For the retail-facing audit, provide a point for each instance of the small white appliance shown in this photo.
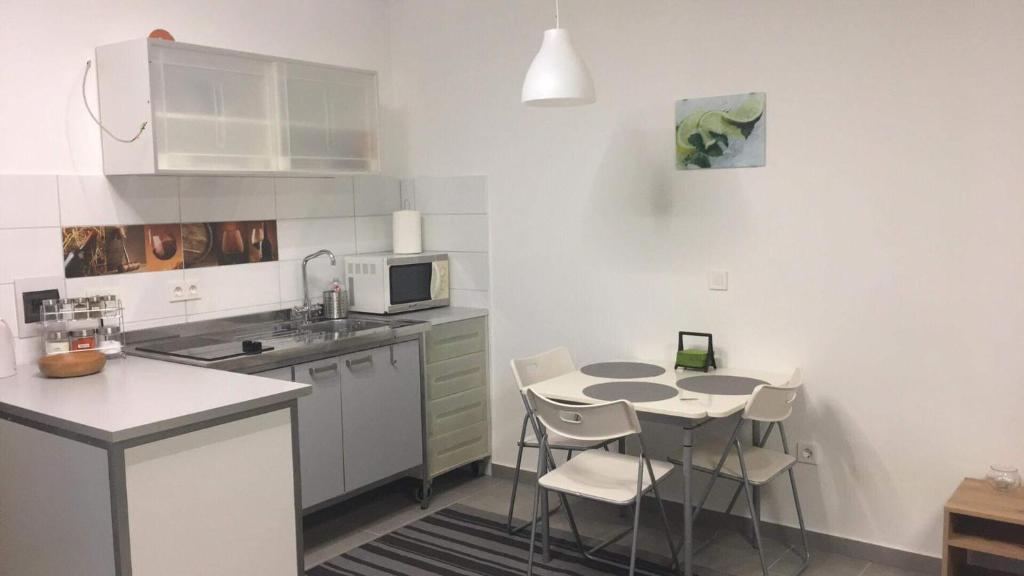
(387, 283)
(7, 362)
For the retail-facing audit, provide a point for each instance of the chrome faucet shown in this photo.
(306, 309)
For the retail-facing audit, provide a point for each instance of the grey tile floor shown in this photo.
(350, 524)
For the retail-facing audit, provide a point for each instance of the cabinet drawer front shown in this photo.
(458, 448)
(455, 339)
(457, 411)
(456, 375)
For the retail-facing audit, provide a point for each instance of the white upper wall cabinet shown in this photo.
(224, 112)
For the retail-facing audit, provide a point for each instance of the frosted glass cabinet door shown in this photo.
(213, 111)
(329, 119)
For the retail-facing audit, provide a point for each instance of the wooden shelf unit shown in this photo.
(978, 518)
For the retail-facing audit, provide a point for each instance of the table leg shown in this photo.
(756, 429)
(688, 501)
(545, 513)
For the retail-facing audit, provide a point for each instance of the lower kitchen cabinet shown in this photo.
(380, 406)
(458, 417)
(362, 423)
(320, 432)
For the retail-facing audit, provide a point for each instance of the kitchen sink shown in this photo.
(251, 343)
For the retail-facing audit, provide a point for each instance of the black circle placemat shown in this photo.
(724, 385)
(622, 370)
(630, 390)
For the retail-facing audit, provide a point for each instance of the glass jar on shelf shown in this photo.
(110, 305)
(108, 340)
(56, 342)
(1003, 478)
(95, 307)
(83, 339)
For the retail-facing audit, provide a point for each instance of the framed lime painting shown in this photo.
(720, 132)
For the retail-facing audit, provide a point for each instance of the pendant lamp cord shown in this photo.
(88, 65)
(556, 14)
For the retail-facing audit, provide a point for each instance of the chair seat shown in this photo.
(556, 440)
(606, 476)
(763, 464)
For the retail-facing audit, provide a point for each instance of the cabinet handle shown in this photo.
(320, 370)
(394, 361)
(368, 359)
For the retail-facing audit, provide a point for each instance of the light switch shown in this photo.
(718, 280)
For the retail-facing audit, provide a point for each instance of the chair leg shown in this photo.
(572, 523)
(664, 519)
(750, 502)
(800, 519)
(636, 531)
(732, 502)
(533, 529)
(515, 478)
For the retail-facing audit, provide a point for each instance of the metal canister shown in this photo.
(335, 305)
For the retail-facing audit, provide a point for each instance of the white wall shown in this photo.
(880, 249)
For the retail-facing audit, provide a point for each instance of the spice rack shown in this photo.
(79, 324)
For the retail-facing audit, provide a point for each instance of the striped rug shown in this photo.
(462, 541)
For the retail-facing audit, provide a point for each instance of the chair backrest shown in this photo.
(774, 403)
(543, 366)
(592, 422)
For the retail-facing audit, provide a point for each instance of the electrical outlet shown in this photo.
(718, 280)
(808, 453)
(177, 292)
(193, 292)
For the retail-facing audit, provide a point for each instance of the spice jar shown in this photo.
(67, 309)
(83, 339)
(108, 340)
(95, 307)
(81, 308)
(109, 305)
(56, 343)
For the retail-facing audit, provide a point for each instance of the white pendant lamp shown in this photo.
(558, 76)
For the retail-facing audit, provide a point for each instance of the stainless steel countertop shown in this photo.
(293, 344)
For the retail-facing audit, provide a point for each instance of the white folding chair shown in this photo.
(604, 476)
(756, 465)
(527, 372)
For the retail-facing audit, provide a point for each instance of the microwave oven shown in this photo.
(391, 283)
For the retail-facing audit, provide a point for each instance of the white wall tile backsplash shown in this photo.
(232, 287)
(30, 252)
(320, 273)
(221, 199)
(373, 234)
(464, 195)
(455, 220)
(347, 214)
(469, 270)
(28, 201)
(90, 200)
(297, 238)
(377, 195)
(314, 197)
(455, 232)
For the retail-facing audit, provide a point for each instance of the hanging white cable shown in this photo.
(88, 65)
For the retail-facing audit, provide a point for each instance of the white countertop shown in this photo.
(443, 315)
(133, 397)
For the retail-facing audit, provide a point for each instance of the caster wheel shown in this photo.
(423, 496)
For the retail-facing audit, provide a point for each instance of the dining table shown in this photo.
(724, 392)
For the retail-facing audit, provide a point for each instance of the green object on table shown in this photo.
(692, 358)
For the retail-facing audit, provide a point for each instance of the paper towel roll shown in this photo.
(406, 233)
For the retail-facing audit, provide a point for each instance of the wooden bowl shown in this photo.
(72, 364)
